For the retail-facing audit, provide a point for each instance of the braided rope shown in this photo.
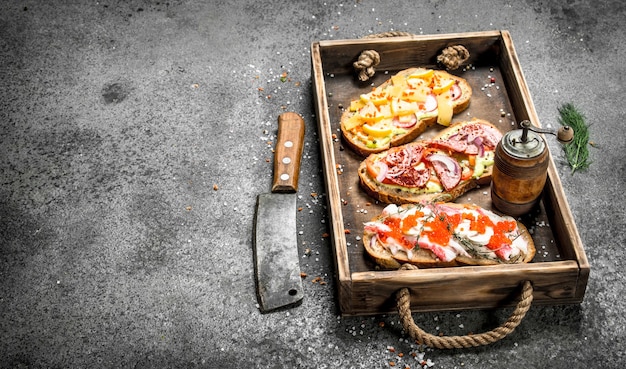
(389, 34)
(403, 300)
(370, 58)
(366, 63)
(451, 57)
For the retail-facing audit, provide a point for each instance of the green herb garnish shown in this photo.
(576, 151)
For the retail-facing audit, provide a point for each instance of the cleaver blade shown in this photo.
(276, 260)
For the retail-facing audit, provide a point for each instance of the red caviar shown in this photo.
(499, 237)
(441, 228)
(411, 221)
(394, 224)
(481, 223)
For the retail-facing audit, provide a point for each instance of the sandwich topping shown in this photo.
(393, 108)
(437, 165)
(448, 232)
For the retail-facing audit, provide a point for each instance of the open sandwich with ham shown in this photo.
(445, 234)
(458, 159)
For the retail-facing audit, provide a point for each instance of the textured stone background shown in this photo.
(134, 140)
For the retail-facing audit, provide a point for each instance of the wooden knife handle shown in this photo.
(288, 152)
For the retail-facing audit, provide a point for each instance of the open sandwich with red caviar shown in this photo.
(402, 108)
(445, 234)
(458, 159)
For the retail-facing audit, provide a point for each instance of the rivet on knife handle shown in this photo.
(288, 152)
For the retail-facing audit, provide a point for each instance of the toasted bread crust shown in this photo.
(423, 258)
(420, 258)
(360, 148)
(414, 132)
(397, 195)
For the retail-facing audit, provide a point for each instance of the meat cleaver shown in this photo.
(277, 268)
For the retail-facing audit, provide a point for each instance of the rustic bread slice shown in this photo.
(382, 118)
(351, 139)
(425, 258)
(398, 194)
(385, 259)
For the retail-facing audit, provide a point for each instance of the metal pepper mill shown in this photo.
(521, 167)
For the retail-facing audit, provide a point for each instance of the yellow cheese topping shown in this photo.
(386, 111)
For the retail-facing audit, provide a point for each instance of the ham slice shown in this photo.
(442, 252)
(448, 170)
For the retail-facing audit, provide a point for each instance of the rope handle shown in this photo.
(403, 300)
(451, 57)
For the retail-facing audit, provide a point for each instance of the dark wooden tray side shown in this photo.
(559, 272)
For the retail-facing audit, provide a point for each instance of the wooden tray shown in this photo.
(559, 271)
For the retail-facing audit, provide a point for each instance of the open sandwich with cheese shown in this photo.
(402, 108)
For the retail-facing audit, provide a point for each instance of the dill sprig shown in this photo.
(576, 151)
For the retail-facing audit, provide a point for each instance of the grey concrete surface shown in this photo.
(134, 141)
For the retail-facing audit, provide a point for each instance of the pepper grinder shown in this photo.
(521, 167)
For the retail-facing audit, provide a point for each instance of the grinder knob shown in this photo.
(565, 134)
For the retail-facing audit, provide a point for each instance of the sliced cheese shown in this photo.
(421, 73)
(353, 122)
(402, 107)
(371, 113)
(444, 106)
(443, 86)
(383, 128)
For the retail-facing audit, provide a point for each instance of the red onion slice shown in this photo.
(451, 165)
(382, 170)
(448, 170)
(478, 141)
